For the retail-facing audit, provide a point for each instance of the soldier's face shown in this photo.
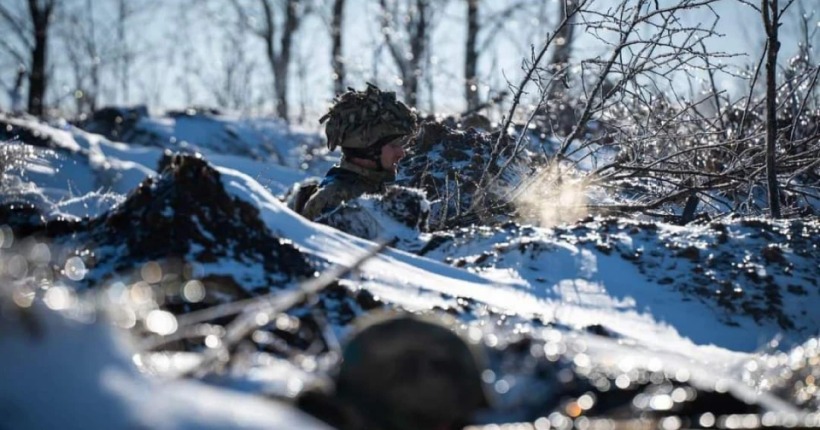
(392, 153)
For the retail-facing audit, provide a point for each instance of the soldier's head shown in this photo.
(370, 125)
(410, 372)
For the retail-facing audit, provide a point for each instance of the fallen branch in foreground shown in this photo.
(258, 310)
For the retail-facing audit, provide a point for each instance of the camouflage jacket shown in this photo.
(342, 183)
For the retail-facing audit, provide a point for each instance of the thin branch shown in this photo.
(19, 28)
(269, 305)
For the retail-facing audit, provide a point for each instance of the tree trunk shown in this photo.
(93, 55)
(280, 61)
(416, 30)
(562, 52)
(336, 28)
(275, 59)
(771, 20)
(428, 77)
(124, 56)
(270, 43)
(40, 17)
(282, 65)
(471, 56)
(417, 47)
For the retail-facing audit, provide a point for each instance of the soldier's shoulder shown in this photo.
(326, 198)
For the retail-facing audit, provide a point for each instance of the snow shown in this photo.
(558, 275)
(572, 286)
(263, 139)
(702, 372)
(89, 174)
(581, 290)
(273, 177)
(62, 373)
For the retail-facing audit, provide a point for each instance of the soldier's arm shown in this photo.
(324, 200)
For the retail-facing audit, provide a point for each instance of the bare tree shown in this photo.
(808, 34)
(40, 13)
(771, 13)
(29, 44)
(97, 51)
(303, 65)
(190, 61)
(280, 20)
(79, 33)
(280, 60)
(232, 88)
(562, 51)
(533, 71)
(407, 43)
(471, 55)
(481, 33)
(124, 12)
(625, 101)
(740, 158)
(337, 60)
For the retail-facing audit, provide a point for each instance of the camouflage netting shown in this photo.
(359, 119)
(448, 164)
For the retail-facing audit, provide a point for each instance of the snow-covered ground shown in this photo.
(88, 173)
(636, 281)
(62, 373)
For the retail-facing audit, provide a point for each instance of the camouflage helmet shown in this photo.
(359, 119)
(410, 372)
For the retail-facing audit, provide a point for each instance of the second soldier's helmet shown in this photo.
(359, 119)
(411, 372)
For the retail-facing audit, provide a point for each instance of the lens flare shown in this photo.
(193, 291)
(75, 268)
(161, 322)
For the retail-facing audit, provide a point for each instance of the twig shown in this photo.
(267, 306)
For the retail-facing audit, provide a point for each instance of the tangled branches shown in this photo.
(619, 120)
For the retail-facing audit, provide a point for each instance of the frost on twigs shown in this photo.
(14, 156)
(15, 159)
(448, 165)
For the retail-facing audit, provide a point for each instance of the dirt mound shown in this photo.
(182, 224)
(747, 268)
(115, 123)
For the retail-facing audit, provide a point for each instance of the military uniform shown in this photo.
(360, 122)
(344, 182)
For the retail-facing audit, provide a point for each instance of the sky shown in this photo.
(186, 48)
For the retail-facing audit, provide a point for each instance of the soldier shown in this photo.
(371, 127)
(403, 373)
